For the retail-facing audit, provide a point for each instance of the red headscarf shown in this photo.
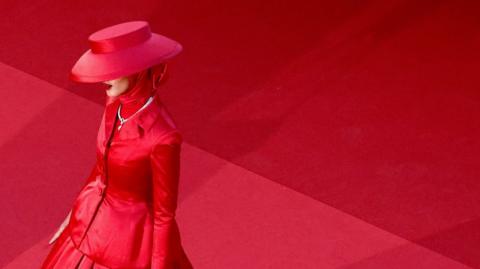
(141, 86)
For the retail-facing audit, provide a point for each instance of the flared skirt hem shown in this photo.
(64, 254)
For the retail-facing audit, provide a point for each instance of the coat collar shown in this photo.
(136, 126)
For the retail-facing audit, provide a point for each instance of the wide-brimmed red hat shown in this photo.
(121, 50)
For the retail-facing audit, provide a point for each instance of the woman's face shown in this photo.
(118, 86)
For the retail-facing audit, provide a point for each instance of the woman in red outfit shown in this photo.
(124, 215)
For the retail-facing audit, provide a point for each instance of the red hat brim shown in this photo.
(92, 67)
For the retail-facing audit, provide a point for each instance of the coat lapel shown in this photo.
(136, 126)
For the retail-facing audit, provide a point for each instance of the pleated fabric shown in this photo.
(65, 255)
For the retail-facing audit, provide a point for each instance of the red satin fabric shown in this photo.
(103, 42)
(64, 254)
(124, 216)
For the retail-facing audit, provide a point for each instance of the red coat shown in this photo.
(124, 216)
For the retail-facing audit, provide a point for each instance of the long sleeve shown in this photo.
(165, 163)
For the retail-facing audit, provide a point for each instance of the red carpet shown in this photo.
(368, 109)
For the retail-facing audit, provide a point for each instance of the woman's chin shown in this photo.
(114, 91)
(110, 92)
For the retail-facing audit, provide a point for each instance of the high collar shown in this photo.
(137, 125)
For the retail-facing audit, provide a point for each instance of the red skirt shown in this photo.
(64, 255)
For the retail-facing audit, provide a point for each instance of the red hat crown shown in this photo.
(119, 36)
